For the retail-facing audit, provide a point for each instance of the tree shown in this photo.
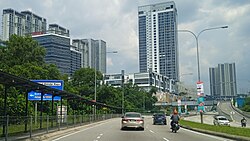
(83, 81)
(23, 57)
(246, 106)
(110, 95)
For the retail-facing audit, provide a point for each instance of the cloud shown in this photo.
(115, 21)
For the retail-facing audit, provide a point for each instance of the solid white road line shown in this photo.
(211, 136)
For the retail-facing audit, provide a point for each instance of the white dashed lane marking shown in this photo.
(165, 139)
(151, 131)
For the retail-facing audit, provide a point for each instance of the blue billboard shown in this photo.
(56, 84)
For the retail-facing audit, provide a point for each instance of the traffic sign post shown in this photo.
(56, 84)
(200, 100)
(179, 106)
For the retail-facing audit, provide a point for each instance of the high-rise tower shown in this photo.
(158, 39)
(223, 80)
(21, 24)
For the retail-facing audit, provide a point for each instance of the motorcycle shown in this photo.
(175, 127)
(243, 124)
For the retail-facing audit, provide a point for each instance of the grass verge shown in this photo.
(238, 131)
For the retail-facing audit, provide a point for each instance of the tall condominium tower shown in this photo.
(84, 48)
(158, 39)
(223, 80)
(94, 53)
(20, 24)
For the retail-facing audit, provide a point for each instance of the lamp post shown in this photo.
(196, 36)
(199, 83)
(95, 77)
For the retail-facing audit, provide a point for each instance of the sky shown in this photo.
(116, 22)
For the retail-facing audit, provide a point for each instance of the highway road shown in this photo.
(110, 131)
(236, 117)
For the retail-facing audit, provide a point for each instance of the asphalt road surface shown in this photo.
(236, 117)
(110, 131)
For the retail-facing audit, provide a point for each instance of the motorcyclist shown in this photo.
(243, 122)
(175, 118)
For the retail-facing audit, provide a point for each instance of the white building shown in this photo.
(145, 80)
(158, 39)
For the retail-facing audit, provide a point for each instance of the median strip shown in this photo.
(235, 133)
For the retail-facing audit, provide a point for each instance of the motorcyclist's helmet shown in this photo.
(175, 112)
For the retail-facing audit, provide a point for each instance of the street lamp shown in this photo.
(197, 43)
(95, 77)
(196, 36)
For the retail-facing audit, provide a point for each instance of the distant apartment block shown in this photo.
(21, 23)
(67, 56)
(158, 49)
(223, 80)
(55, 28)
(94, 53)
(83, 47)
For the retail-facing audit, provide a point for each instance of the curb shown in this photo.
(224, 135)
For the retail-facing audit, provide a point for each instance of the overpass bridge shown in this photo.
(188, 103)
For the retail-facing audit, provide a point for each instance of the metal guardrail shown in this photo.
(22, 127)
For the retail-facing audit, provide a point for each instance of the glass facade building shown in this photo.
(158, 49)
(75, 60)
(223, 80)
(57, 50)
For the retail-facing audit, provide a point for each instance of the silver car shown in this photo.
(221, 120)
(132, 120)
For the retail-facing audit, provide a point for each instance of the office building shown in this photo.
(75, 60)
(223, 80)
(57, 50)
(158, 49)
(23, 23)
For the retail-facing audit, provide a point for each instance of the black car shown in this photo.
(159, 119)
